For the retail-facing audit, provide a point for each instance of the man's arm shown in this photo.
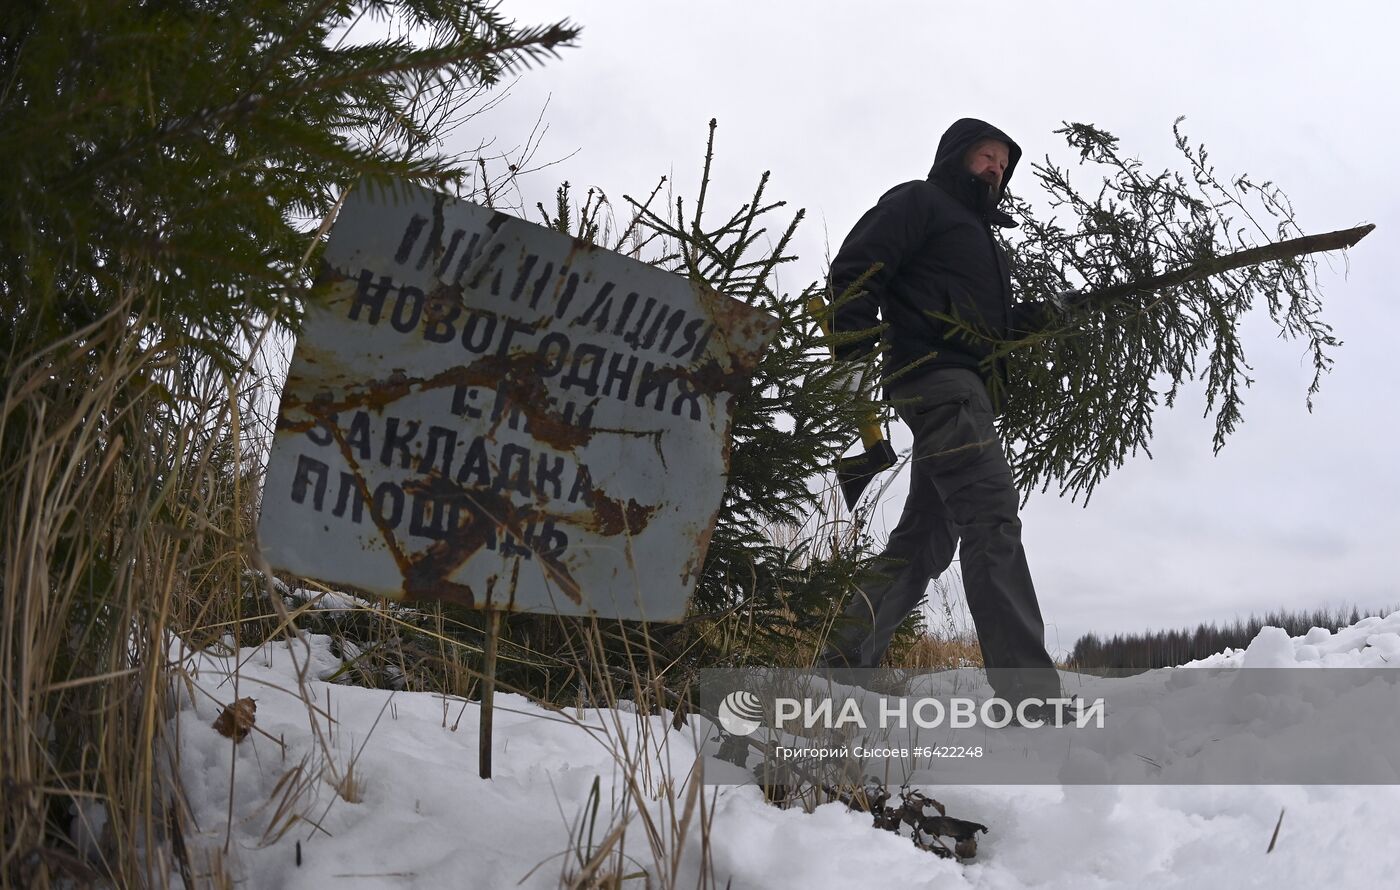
(884, 236)
(1033, 316)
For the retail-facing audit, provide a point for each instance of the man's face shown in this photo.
(987, 161)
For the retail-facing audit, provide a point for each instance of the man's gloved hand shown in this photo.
(1067, 300)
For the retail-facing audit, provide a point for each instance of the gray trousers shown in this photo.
(960, 489)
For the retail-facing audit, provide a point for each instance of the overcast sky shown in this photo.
(842, 100)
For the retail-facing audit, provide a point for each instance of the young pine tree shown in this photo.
(164, 164)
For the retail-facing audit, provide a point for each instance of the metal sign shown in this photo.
(483, 410)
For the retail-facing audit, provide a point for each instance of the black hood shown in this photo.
(961, 136)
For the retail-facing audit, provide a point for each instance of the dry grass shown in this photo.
(946, 638)
(934, 653)
(124, 504)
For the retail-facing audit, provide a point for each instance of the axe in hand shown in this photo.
(854, 473)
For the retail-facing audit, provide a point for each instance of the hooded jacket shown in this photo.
(938, 256)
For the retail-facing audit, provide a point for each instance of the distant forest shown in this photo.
(1168, 648)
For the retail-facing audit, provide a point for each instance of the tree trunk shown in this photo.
(1251, 256)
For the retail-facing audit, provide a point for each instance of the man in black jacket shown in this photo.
(936, 255)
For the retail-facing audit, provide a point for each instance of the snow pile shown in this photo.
(380, 789)
(1369, 643)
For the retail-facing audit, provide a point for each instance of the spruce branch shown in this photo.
(1167, 265)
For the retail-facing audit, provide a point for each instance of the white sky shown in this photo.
(841, 101)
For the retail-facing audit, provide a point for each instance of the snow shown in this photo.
(414, 812)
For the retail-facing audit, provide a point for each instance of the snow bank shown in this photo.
(371, 788)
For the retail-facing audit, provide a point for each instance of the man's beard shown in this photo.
(990, 193)
(993, 191)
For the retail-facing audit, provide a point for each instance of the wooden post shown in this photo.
(488, 690)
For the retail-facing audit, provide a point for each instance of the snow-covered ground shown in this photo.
(344, 786)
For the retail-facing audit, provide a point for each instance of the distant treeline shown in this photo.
(1167, 648)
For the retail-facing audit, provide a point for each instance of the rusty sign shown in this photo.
(483, 410)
